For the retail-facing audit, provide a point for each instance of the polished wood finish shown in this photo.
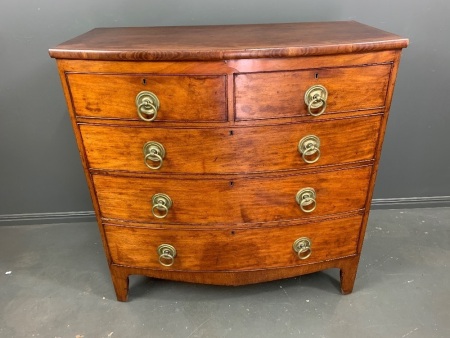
(232, 114)
(281, 94)
(231, 150)
(182, 98)
(218, 249)
(346, 265)
(227, 42)
(240, 200)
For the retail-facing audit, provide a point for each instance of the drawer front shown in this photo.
(181, 97)
(281, 94)
(233, 249)
(242, 200)
(238, 150)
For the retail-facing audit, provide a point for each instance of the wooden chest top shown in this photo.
(227, 42)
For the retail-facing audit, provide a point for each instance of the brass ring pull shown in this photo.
(315, 98)
(302, 246)
(167, 254)
(161, 202)
(308, 146)
(160, 207)
(147, 105)
(317, 101)
(154, 158)
(154, 152)
(306, 199)
(147, 108)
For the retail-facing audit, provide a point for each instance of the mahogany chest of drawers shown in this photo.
(230, 154)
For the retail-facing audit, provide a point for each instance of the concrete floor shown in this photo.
(54, 282)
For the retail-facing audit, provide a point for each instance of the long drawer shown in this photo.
(271, 95)
(231, 150)
(181, 97)
(241, 200)
(233, 249)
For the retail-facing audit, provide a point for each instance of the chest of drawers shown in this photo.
(230, 154)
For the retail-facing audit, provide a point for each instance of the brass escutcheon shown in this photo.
(302, 246)
(315, 98)
(161, 202)
(147, 105)
(167, 254)
(155, 152)
(306, 199)
(308, 146)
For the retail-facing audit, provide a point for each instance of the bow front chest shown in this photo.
(230, 154)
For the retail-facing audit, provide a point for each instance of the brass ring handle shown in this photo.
(167, 254)
(315, 98)
(308, 146)
(147, 105)
(309, 152)
(155, 152)
(302, 246)
(306, 199)
(161, 202)
(160, 207)
(154, 158)
(147, 108)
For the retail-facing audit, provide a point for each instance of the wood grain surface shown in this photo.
(232, 113)
(240, 200)
(281, 94)
(233, 249)
(227, 42)
(231, 150)
(196, 98)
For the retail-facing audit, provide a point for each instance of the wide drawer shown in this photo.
(281, 94)
(237, 150)
(181, 97)
(233, 249)
(241, 200)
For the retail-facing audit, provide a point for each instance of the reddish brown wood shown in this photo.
(83, 158)
(233, 249)
(192, 98)
(231, 150)
(309, 62)
(281, 94)
(239, 200)
(392, 79)
(348, 274)
(120, 281)
(235, 278)
(231, 116)
(227, 42)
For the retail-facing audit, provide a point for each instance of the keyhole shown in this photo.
(144, 81)
(231, 133)
(316, 76)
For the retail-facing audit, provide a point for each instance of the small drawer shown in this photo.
(282, 94)
(180, 97)
(233, 249)
(231, 201)
(232, 150)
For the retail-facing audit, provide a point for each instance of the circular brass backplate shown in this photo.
(152, 147)
(315, 93)
(147, 96)
(305, 193)
(308, 142)
(163, 199)
(167, 249)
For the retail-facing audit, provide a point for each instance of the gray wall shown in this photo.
(40, 171)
